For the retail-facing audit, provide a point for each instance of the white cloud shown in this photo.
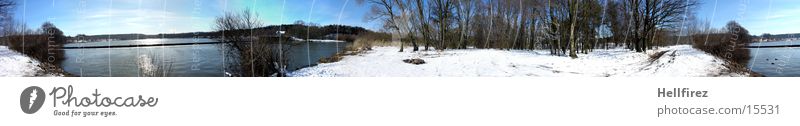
(148, 21)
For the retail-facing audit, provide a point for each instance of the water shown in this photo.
(201, 60)
(775, 62)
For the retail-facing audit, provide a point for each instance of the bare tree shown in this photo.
(565, 27)
(442, 13)
(6, 20)
(423, 27)
(573, 12)
(650, 15)
(465, 10)
(395, 15)
(256, 56)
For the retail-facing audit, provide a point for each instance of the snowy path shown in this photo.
(680, 61)
(14, 64)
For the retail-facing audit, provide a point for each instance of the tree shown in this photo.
(650, 15)
(422, 23)
(257, 57)
(54, 34)
(729, 44)
(43, 44)
(6, 19)
(565, 27)
(403, 23)
(236, 26)
(555, 18)
(388, 10)
(573, 12)
(465, 10)
(442, 12)
(615, 19)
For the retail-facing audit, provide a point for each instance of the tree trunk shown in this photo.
(573, 19)
(423, 23)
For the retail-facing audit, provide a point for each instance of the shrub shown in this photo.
(256, 57)
(729, 45)
(263, 59)
(44, 45)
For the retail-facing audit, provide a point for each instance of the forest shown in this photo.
(564, 27)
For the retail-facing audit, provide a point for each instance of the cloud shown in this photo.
(166, 16)
(784, 13)
(116, 21)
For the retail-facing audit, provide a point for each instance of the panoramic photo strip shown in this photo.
(399, 38)
(399, 62)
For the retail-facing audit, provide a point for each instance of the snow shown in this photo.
(14, 64)
(314, 40)
(295, 39)
(679, 61)
(324, 40)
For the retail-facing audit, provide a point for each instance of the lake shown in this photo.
(194, 60)
(775, 62)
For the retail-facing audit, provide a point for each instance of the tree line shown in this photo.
(42, 44)
(565, 27)
(299, 29)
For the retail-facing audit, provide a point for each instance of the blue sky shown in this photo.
(758, 16)
(175, 16)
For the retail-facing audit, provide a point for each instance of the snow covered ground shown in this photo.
(679, 61)
(14, 64)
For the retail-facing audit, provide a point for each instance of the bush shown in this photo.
(729, 45)
(263, 59)
(44, 45)
(257, 57)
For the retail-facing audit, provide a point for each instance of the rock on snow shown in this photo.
(679, 61)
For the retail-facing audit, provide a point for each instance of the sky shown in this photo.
(175, 16)
(94, 17)
(757, 16)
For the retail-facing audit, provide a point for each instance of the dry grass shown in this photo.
(153, 67)
(363, 42)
